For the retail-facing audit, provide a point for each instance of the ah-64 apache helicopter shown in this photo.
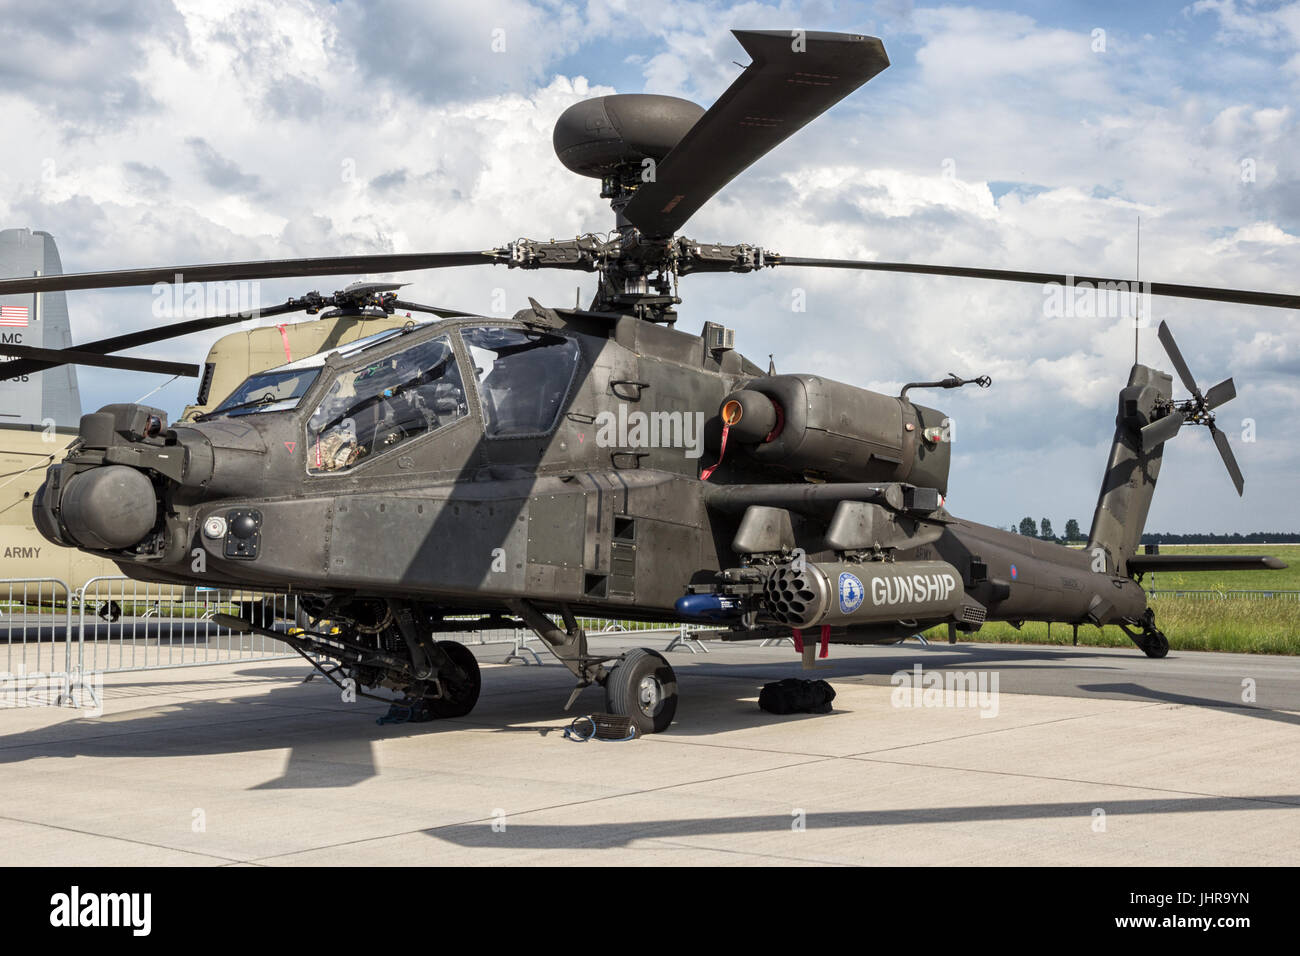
(450, 468)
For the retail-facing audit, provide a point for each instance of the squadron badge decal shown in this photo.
(851, 593)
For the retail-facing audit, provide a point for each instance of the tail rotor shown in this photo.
(1197, 410)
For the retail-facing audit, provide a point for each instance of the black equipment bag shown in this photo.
(795, 696)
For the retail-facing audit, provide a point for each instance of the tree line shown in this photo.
(1043, 529)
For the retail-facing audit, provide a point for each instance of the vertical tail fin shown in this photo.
(1131, 472)
(39, 320)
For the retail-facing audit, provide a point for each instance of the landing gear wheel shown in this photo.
(1154, 643)
(458, 696)
(643, 687)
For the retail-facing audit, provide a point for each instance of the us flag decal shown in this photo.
(14, 316)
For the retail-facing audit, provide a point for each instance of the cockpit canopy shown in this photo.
(520, 377)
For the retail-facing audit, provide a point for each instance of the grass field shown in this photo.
(1252, 625)
(1286, 579)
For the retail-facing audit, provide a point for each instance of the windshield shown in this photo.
(379, 406)
(272, 391)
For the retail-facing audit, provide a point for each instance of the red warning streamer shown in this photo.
(704, 475)
(284, 337)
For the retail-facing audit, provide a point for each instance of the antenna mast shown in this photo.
(1137, 324)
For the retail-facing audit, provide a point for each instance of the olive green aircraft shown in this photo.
(454, 472)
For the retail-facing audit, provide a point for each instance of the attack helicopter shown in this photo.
(466, 472)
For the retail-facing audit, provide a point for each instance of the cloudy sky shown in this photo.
(1028, 135)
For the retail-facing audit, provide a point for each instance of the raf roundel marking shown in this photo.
(1014, 572)
(851, 593)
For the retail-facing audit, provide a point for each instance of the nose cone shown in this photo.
(108, 508)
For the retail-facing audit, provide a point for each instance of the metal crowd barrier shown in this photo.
(114, 623)
(1260, 594)
(1212, 594)
(128, 625)
(36, 628)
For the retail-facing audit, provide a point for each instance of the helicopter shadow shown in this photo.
(594, 835)
(1139, 692)
(330, 744)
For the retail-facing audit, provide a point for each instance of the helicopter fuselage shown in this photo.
(568, 476)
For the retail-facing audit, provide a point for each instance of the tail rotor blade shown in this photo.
(1225, 391)
(1175, 356)
(1162, 430)
(1229, 459)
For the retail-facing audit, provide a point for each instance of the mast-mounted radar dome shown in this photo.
(599, 136)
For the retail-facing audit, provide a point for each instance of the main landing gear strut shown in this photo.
(639, 685)
(392, 646)
(396, 651)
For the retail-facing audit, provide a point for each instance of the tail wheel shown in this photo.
(643, 687)
(1155, 644)
(458, 696)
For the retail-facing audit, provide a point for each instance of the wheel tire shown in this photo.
(459, 697)
(642, 686)
(1155, 644)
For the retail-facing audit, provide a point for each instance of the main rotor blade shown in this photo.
(1162, 430)
(25, 366)
(1240, 296)
(1229, 459)
(1225, 391)
(795, 76)
(232, 271)
(124, 363)
(1171, 347)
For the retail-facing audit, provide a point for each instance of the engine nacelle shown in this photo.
(809, 424)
